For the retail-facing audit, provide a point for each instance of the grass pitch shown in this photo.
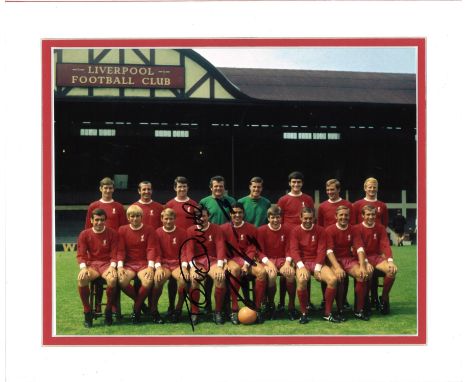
(401, 321)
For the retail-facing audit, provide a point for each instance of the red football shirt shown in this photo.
(326, 214)
(184, 212)
(242, 239)
(151, 213)
(292, 205)
(380, 209)
(374, 239)
(171, 244)
(213, 240)
(137, 245)
(273, 244)
(94, 246)
(342, 241)
(308, 245)
(115, 214)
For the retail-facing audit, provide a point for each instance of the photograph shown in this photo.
(234, 191)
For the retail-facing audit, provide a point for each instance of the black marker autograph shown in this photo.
(202, 273)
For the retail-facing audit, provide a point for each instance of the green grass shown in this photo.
(401, 321)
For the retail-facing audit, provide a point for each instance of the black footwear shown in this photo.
(136, 318)
(118, 316)
(218, 318)
(169, 313)
(194, 319)
(88, 320)
(293, 314)
(280, 309)
(361, 315)
(346, 306)
(176, 316)
(145, 310)
(234, 318)
(157, 319)
(208, 310)
(304, 319)
(108, 318)
(384, 306)
(310, 310)
(260, 319)
(322, 305)
(332, 318)
(340, 316)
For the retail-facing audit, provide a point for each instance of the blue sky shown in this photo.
(384, 60)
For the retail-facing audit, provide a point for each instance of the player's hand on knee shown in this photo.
(318, 275)
(110, 272)
(392, 268)
(370, 269)
(219, 275)
(122, 273)
(339, 273)
(83, 274)
(149, 274)
(185, 275)
(159, 274)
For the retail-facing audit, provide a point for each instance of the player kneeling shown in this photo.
(308, 249)
(378, 252)
(138, 249)
(97, 256)
(273, 239)
(206, 252)
(341, 239)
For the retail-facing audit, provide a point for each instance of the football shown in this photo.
(247, 316)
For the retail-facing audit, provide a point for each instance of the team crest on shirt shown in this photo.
(242, 236)
(378, 209)
(375, 236)
(104, 242)
(282, 237)
(313, 237)
(188, 209)
(303, 204)
(151, 212)
(142, 237)
(174, 240)
(210, 238)
(349, 237)
(113, 211)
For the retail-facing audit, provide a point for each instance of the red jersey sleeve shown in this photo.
(220, 243)
(114, 237)
(82, 250)
(384, 243)
(152, 249)
(321, 246)
(121, 250)
(294, 248)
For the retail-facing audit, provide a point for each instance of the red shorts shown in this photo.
(310, 266)
(203, 263)
(347, 263)
(279, 262)
(136, 266)
(238, 260)
(99, 266)
(375, 260)
(171, 264)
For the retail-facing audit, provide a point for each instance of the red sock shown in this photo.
(155, 295)
(291, 287)
(84, 295)
(360, 289)
(330, 294)
(180, 300)
(271, 293)
(283, 287)
(303, 297)
(129, 290)
(340, 293)
(235, 286)
(142, 293)
(387, 286)
(219, 298)
(110, 293)
(260, 286)
(195, 299)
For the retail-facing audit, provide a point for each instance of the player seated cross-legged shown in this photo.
(172, 261)
(241, 241)
(97, 256)
(273, 239)
(207, 254)
(137, 252)
(308, 249)
(341, 239)
(378, 252)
